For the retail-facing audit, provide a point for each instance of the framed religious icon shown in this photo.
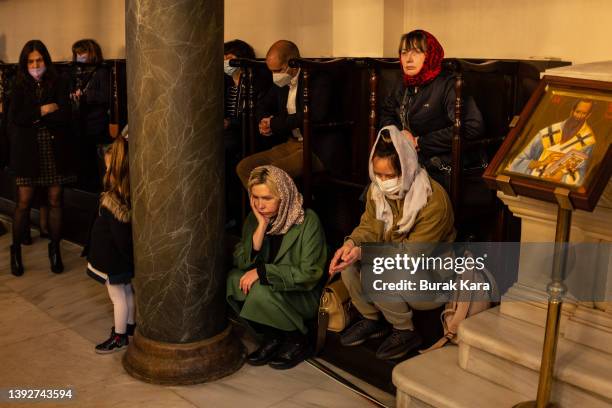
(562, 142)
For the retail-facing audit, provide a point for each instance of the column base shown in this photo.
(184, 364)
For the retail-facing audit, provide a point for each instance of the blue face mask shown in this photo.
(228, 69)
(81, 58)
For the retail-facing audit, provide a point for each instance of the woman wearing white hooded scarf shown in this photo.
(403, 205)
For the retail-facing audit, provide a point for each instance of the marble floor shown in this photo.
(50, 324)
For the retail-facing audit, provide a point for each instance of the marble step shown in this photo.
(435, 379)
(590, 327)
(507, 351)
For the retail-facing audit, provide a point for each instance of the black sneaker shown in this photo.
(363, 330)
(114, 343)
(398, 344)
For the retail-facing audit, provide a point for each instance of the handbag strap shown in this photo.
(322, 323)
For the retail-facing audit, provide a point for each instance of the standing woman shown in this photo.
(422, 106)
(90, 92)
(38, 126)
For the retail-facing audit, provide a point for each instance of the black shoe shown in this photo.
(16, 262)
(363, 330)
(114, 343)
(398, 344)
(265, 353)
(292, 353)
(55, 257)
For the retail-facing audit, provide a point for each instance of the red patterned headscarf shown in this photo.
(432, 64)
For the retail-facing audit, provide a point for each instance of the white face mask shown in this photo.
(37, 73)
(82, 58)
(390, 186)
(281, 79)
(228, 69)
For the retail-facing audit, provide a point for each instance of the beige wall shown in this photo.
(358, 28)
(574, 30)
(308, 23)
(321, 28)
(59, 23)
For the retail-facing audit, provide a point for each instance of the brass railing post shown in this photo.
(556, 291)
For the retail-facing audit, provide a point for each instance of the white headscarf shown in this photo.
(415, 187)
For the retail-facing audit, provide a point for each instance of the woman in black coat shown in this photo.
(90, 92)
(423, 105)
(40, 145)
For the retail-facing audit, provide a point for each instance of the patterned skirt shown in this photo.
(48, 175)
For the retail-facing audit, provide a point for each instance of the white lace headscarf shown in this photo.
(415, 187)
(290, 210)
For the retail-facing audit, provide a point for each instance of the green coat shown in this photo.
(294, 276)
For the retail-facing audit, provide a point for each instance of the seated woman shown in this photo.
(276, 283)
(423, 106)
(403, 206)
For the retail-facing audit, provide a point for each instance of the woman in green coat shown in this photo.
(276, 283)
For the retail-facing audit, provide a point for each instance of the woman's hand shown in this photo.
(260, 231)
(48, 108)
(247, 280)
(261, 219)
(344, 257)
(265, 127)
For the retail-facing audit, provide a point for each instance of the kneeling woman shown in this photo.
(276, 283)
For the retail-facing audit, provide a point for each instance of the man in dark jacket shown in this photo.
(280, 113)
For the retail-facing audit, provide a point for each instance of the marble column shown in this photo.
(175, 105)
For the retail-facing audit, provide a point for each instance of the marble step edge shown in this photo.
(521, 343)
(524, 380)
(593, 317)
(436, 379)
(538, 297)
(589, 333)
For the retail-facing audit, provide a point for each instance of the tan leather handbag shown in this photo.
(334, 310)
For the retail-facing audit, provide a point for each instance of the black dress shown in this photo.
(40, 145)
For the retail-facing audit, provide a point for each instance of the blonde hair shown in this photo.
(117, 177)
(261, 175)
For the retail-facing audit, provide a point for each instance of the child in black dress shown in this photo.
(110, 258)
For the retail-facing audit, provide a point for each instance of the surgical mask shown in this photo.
(228, 69)
(37, 73)
(390, 186)
(281, 79)
(81, 58)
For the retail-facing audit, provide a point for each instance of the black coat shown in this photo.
(430, 114)
(275, 103)
(110, 247)
(94, 105)
(24, 120)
